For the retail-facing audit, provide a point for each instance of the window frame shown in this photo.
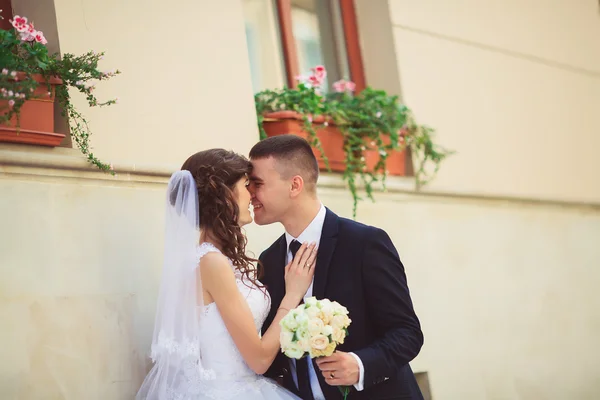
(351, 39)
(7, 13)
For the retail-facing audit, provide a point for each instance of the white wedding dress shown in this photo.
(233, 378)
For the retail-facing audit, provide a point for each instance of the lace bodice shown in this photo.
(258, 300)
(217, 348)
(211, 367)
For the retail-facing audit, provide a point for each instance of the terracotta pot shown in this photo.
(332, 140)
(395, 163)
(36, 117)
(26, 136)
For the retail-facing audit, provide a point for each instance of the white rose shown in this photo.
(301, 319)
(328, 330)
(294, 352)
(303, 344)
(327, 351)
(302, 333)
(319, 342)
(339, 321)
(312, 312)
(338, 335)
(339, 309)
(315, 326)
(324, 303)
(289, 323)
(327, 311)
(311, 302)
(285, 339)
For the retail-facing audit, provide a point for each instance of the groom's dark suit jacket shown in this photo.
(359, 267)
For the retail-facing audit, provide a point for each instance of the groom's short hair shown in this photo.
(293, 156)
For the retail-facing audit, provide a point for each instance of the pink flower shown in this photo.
(339, 86)
(13, 74)
(30, 28)
(343, 85)
(4, 71)
(26, 37)
(319, 71)
(39, 37)
(11, 103)
(318, 76)
(20, 23)
(315, 81)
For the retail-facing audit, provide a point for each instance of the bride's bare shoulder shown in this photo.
(215, 263)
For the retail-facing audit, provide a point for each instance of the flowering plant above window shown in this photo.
(370, 121)
(29, 72)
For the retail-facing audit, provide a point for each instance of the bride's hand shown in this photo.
(300, 271)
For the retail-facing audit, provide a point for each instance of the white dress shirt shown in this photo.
(312, 233)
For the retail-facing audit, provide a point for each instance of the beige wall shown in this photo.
(513, 86)
(506, 293)
(185, 82)
(79, 267)
(80, 251)
(504, 289)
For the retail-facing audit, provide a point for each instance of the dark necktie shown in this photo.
(302, 364)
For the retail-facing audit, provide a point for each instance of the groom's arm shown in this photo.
(389, 304)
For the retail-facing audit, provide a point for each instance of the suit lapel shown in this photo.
(277, 277)
(277, 291)
(280, 267)
(325, 252)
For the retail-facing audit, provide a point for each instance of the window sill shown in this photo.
(394, 184)
(69, 163)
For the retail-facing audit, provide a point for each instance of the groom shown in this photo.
(357, 266)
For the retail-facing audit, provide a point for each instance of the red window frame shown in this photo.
(6, 7)
(351, 37)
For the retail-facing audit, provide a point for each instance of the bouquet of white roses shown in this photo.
(315, 328)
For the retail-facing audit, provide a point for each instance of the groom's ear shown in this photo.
(297, 185)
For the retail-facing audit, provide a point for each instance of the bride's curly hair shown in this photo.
(216, 172)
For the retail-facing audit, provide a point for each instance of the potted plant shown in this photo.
(31, 80)
(364, 135)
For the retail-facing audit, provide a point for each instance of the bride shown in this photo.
(211, 305)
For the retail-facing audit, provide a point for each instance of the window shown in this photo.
(288, 37)
(5, 6)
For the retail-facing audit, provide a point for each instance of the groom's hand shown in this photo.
(339, 369)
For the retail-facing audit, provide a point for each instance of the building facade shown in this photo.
(501, 250)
